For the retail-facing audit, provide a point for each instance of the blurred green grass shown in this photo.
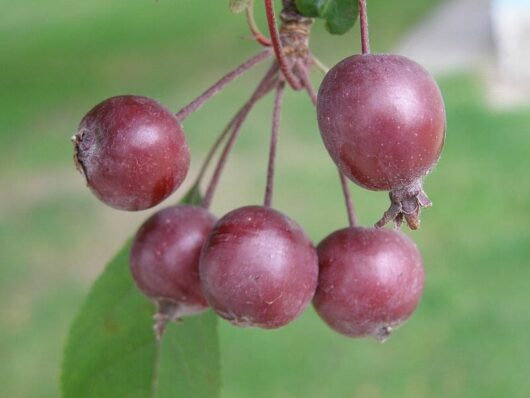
(469, 337)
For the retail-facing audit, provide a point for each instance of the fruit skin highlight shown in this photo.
(258, 268)
(132, 152)
(382, 120)
(370, 281)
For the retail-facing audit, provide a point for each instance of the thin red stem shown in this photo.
(277, 46)
(347, 198)
(306, 82)
(266, 84)
(215, 147)
(276, 115)
(304, 76)
(363, 17)
(217, 144)
(261, 39)
(221, 83)
(256, 33)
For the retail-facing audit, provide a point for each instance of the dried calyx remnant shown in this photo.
(406, 203)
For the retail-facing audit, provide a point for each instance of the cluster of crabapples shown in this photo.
(382, 120)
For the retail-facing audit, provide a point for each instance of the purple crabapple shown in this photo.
(258, 268)
(132, 152)
(164, 260)
(370, 281)
(382, 120)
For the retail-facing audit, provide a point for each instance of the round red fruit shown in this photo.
(382, 120)
(164, 258)
(132, 152)
(370, 281)
(258, 268)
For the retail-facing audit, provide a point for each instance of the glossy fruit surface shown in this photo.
(370, 281)
(382, 120)
(164, 258)
(132, 152)
(258, 268)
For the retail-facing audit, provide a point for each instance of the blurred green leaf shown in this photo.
(112, 351)
(340, 15)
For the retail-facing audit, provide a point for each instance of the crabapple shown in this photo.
(164, 259)
(382, 120)
(370, 281)
(258, 268)
(132, 152)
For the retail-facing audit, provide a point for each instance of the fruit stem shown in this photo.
(253, 26)
(217, 144)
(306, 82)
(319, 65)
(304, 76)
(347, 199)
(276, 115)
(266, 84)
(278, 49)
(220, 84)
(363, 18)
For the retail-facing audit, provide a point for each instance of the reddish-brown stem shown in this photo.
(266, 84)
(278, 49)
(217, 144)
(363, 18)
(276, 115)
(221, 83)
(256, 33)
(306, 82)
(304, 76)
(347, 198)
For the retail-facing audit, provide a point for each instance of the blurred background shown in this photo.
(470, 335)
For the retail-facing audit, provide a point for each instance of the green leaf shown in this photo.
(238, 6)
(189, 364)
(112, 351)
(311, 8)
(340, 15)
